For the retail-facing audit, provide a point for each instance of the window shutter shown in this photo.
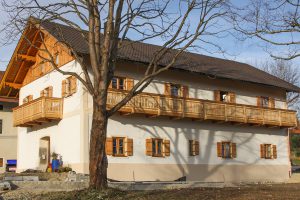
(63, 88)
(149, 147)
(166, 147)
(233, 150)
(219, 149)
(274, 151)
(167, 89)
(129, 146)
(185, 91)
(232, 98)
(192, 149)
(42, 93)
(1, 162)
(109, 146)
(129, 83)
(73, 83)
(217, 95)
(50, 92)
(196, 147)
(262, 151)
(30, 98)
(271, 102)
(259, 102)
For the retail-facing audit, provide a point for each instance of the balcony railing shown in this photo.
(161, 105)
(43, 109)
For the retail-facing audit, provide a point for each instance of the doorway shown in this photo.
(44, 153)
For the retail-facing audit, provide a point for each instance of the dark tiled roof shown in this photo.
(142, 52)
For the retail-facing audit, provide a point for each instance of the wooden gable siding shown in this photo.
(24, 62)
(40, 68)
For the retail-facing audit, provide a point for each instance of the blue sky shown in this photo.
(249, 51)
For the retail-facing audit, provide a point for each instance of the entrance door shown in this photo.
(44, 153)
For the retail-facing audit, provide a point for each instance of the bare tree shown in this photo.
(285, 70)
(106, 25)
(275, 22)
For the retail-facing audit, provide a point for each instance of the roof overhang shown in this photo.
(22, 59)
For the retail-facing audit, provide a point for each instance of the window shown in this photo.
(47, 92)
(266, 102)
(1, 107)
(194, 147)
(1, 126)
(69, 86)
(157, 147)
(224, 96)
(226, 150)
(176, 90)
(119, 146)
(268, 151)
(1, 162)
(27, 99)
(121, 83)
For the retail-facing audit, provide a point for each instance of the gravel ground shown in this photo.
(285, 191)
(252, 192)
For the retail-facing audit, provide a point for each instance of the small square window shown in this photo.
(1, 107)
(118, 83)
(118, 146)
(157, 147)
(175, 90)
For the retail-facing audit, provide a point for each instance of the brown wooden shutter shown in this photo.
(192, 149)
(129, 146)
(232, 98)
(129, 83)
(196, 147)
(185, 91)
(219, 149)
(217, 95)
(262, 151)
(166, 147)
(42, 93)
(233, 150)
(109, 146)
(271, 102)
(73, 82)
(167, 89)
(50, 92)
(1, 162)
(149, 147)
(274, 151)
(63, 88)
(259, 102)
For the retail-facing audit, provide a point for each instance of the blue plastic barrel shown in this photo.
(55, 165)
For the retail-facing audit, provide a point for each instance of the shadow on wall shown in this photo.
(206, 166)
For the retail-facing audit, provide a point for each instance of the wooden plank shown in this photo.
(26, 57)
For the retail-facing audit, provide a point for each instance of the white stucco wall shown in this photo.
(8, 138)
(70, 137)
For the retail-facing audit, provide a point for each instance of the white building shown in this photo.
(209, 120)
(8, 134)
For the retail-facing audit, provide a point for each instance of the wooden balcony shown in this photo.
(38, 111)
(197, 109)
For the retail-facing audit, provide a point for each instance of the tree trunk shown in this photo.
(98, 160)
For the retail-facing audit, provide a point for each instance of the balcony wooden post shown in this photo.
(159, 105)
